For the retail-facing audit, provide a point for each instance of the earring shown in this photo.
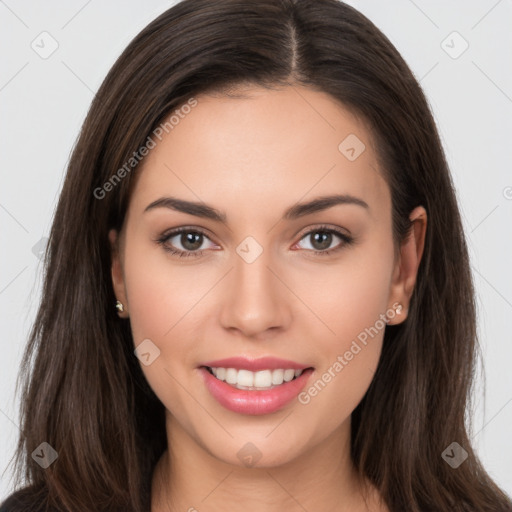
(399, 309)
(119, 306)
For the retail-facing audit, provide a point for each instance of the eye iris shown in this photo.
(325, 239)
(191, 241)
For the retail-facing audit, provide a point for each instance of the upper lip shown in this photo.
(263, 363)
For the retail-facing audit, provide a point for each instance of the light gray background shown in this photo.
(44, 101)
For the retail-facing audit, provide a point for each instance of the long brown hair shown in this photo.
(83, 389)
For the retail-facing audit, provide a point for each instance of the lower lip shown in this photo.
(254, 402)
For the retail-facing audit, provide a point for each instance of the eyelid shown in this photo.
(187, 229)
(324, 227)
(171, 233)
(346, 239)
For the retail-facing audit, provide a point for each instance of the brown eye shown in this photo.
(191, 240)
(321, 240)
(184, 242)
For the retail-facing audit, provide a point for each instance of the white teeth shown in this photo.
(245, 378)
(263, 379)
(277, 377)
(288, 375)
(231, 376)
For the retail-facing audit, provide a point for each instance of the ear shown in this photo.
(117, 272)
(406, 268)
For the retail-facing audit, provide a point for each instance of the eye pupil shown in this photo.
(191, 241)
(325, 239)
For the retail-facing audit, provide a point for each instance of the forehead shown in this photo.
(265, 147)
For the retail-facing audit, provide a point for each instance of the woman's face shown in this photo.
(249, 283)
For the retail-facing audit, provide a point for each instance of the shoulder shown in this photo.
(26, 499)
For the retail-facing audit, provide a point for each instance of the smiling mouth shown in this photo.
(255, 381)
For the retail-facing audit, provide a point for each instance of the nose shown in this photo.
(255, 301)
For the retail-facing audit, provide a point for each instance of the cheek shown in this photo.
(162, 299)
(352, 302)
(150, 298)
(167, 305)
(160, 293)
(350, 296)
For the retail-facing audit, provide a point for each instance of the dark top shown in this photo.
(21, 500)
(9, 505)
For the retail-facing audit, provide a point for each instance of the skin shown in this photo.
(252, 158)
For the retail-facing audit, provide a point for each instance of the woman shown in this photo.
(257, 286)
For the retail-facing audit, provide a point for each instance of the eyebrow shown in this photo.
(294, 212)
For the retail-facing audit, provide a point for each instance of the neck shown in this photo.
(188, 478)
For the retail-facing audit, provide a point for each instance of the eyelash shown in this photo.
(347, 240)
(165, 237)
